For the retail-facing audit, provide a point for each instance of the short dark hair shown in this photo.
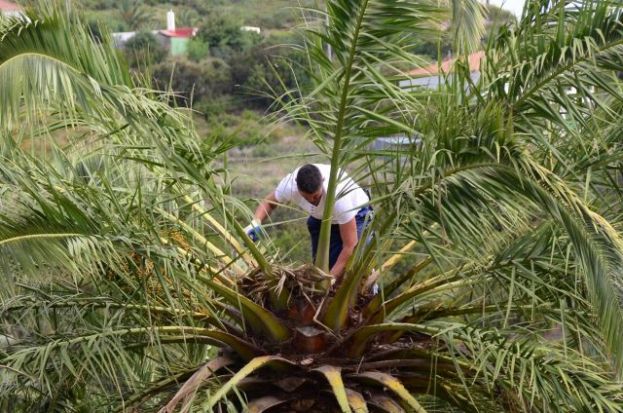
(308, 179)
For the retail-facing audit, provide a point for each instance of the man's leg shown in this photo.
(313, 226)
(335, 244)
(363, 217)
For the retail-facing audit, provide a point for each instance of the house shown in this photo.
(395, 143)
(253, 29)
(430, 76)
(8, 9)
(121, 38)
(174, 39)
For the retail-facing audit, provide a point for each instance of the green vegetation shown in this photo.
(128, 282)
(269, 14)
(226, 68)
(143, 50)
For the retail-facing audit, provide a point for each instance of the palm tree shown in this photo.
(134, 14)
(128, 281)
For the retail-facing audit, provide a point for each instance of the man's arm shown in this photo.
(348, 232)
(265, 207)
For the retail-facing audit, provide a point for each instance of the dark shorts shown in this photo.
(335, 247)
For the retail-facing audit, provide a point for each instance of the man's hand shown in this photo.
(254, 230)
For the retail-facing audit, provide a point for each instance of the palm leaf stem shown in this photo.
(334, 377)
(356, 401)
(249, 368)
(361, 336)
(28, 237)
(377, 303)
(188, 333)
(16, 371)
(187, 340)
(395, 386)
(88, 302)
(425, 365)
(278, 294)
(154, 389)
(425, 313)
(224, 234)
(219, 254)
(261, 260)
(397, 257)
(409, 274)
(215, 272)
(193, 384)
(322, 259)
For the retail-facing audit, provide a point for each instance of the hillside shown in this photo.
(141, 15)
(126, 15)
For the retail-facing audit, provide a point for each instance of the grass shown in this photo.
(263, 155)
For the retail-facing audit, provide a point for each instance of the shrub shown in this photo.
(222, 33)
(144, 50)
(263, 71)
(198, 49)
(281, 19)
(264, 150)
(215, 106)
(196, 81)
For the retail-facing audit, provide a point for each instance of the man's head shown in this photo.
(309, 183)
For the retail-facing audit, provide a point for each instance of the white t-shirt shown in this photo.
(350, 198)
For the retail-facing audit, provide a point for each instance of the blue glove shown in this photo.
(254, 230)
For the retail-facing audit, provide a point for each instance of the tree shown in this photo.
(198, 49)
(194, 81)
(134, 14)
(275, 64)
(488, 231)
(224, 35)
(189, 17)
(143, 49)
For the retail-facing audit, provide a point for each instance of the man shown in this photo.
(307, 187)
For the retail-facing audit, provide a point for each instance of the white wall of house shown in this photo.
(12, 14)
(431, 82)
(120, 38)
(254, 29)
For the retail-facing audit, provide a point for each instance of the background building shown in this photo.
(8, 9)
